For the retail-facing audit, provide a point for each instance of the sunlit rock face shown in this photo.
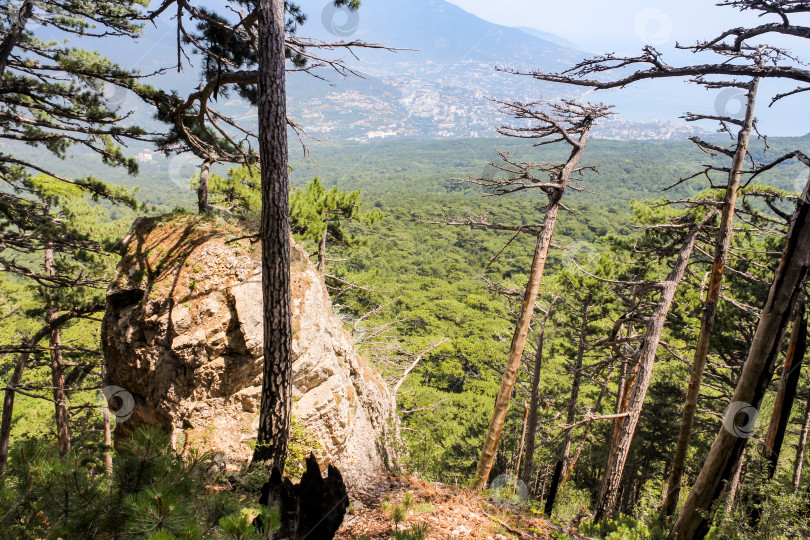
(183, 335)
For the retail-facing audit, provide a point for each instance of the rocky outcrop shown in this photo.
(183, 335)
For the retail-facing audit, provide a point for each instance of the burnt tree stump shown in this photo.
(312, 509)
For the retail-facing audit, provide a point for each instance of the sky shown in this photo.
(615, 25)
(625, 26)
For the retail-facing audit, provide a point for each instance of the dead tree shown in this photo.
(525, 471)
(638, 379)
(786, 395)
(411, 363)
(568, 122)
(750, 60)
(582, 342)
(783, 405)
(721, 249)
(798, 464)
(695, 516)
(587, 303)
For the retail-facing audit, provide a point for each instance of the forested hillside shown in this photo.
(542, 333)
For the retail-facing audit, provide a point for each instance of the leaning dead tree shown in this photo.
(587, 306)
(566, 122)
(745, 58)
(638, 381)
(527, 467)
(738, 155)
(726, 451)
(786, 395)
(783, 406)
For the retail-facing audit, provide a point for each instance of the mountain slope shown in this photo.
(442, 33)
(437, 88)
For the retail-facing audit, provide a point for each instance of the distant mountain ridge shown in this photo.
(442, 32)
(548, 36)
(437, 91)
(444, 85)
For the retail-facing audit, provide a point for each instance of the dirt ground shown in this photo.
(450, 512)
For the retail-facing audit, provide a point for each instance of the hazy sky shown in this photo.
(603, 25)
(625, 26)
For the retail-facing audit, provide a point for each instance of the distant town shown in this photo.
(436, 101)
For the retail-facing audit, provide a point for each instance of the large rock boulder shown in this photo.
(183, 335)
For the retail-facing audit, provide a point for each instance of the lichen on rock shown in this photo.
(183, 334)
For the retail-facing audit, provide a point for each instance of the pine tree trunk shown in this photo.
(627, 383)
(57, 369)
(322, 253)
(734, 485)
(202, 190)
(8, 406)
(525, 472)
(786, 395)
(638, 389)
(695, 516)
(800, 448)
(16, 376)
(13, 37)
(276, 398)
(722, 246)
(783, 404)
(493, 435)
(562, 464)
(108, 458)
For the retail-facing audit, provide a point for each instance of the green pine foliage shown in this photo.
(315, 211)
(380, 207)
(153, 492)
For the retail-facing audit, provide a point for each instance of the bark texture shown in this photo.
(695, 516)
(636, 391)
(722, 246)
(276, 402)
(57, 369)
(525, 470)
(202, 190)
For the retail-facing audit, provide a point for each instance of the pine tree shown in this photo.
(230, 65)
(569, 122)
(53, 98)
(318, 215)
